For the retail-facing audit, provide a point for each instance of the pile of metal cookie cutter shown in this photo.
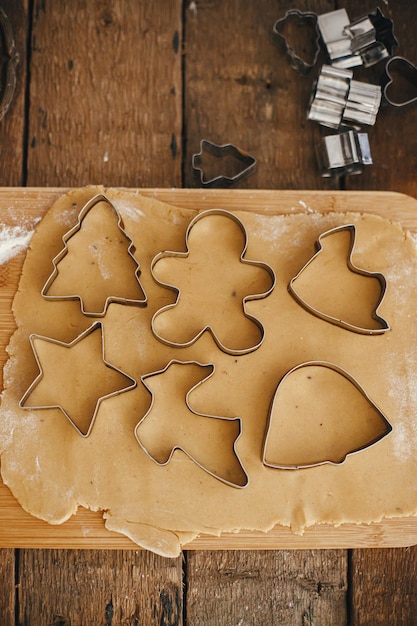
(337, 100)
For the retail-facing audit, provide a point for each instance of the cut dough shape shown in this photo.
(320, 414)
(171, 424)
(325, 285)
(213, 282)
(64, 380)
(104, 254)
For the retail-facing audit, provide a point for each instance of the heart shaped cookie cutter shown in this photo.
(408, 73)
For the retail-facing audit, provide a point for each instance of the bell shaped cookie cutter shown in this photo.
(189, 407)
(220, 152)
(384, 325)
(184, 255)
(97, 326)
(130, 251)
(342, 372)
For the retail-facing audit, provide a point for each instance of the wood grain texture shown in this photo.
(384, 590)
(79, 588)
(105, 97)
(7, 587)
(384, 582)
(240, 89)
(12, 126)
(259, 588)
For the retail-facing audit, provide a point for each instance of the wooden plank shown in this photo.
(105, 107)
(240, 89)
(384, 582)
(261, 588)
(384, 588)
(105, 100)
(77, 588)
(12, 126)
(12, 132)
(7, 586)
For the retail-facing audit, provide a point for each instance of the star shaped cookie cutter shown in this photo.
(73, 231)
(164, 463)
(95, 327)
(184, 255)
(220, 152)
(384, 325)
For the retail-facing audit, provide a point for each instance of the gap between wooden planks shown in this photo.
(18, 529)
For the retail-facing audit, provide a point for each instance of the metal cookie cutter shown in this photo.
(297, 61)
(74, 382)
(401, 82)
(184, 255)
(9, 70)
(384, 326)
(365, 41)
(168, 457)
(309, 366)
(111, 298)
(343, 154)
(338, 100)
(223, 152)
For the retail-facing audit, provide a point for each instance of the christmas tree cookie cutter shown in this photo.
(247, 161)
(383, 324)
(219, 419)
(63, 253)
(97, 326)
(208, 327)
(309, 366)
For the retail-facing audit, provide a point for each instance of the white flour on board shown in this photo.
(13, 239)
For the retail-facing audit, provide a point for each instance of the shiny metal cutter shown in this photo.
(187, 401)
(87, 207)
(355, 383)
(267, 268)
(97, 326)
(221, 152)
(297, 62)
(384, 326)
(408, 72)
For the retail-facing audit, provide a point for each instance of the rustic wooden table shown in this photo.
(120, 93)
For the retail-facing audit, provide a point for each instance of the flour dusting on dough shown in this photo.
(129, 210)
(13, 239)
(97, 253)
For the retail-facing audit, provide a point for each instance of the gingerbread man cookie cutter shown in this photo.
(184, 255)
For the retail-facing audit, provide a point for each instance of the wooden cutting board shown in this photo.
(25, 206)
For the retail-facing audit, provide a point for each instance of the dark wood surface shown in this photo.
(120, 93)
